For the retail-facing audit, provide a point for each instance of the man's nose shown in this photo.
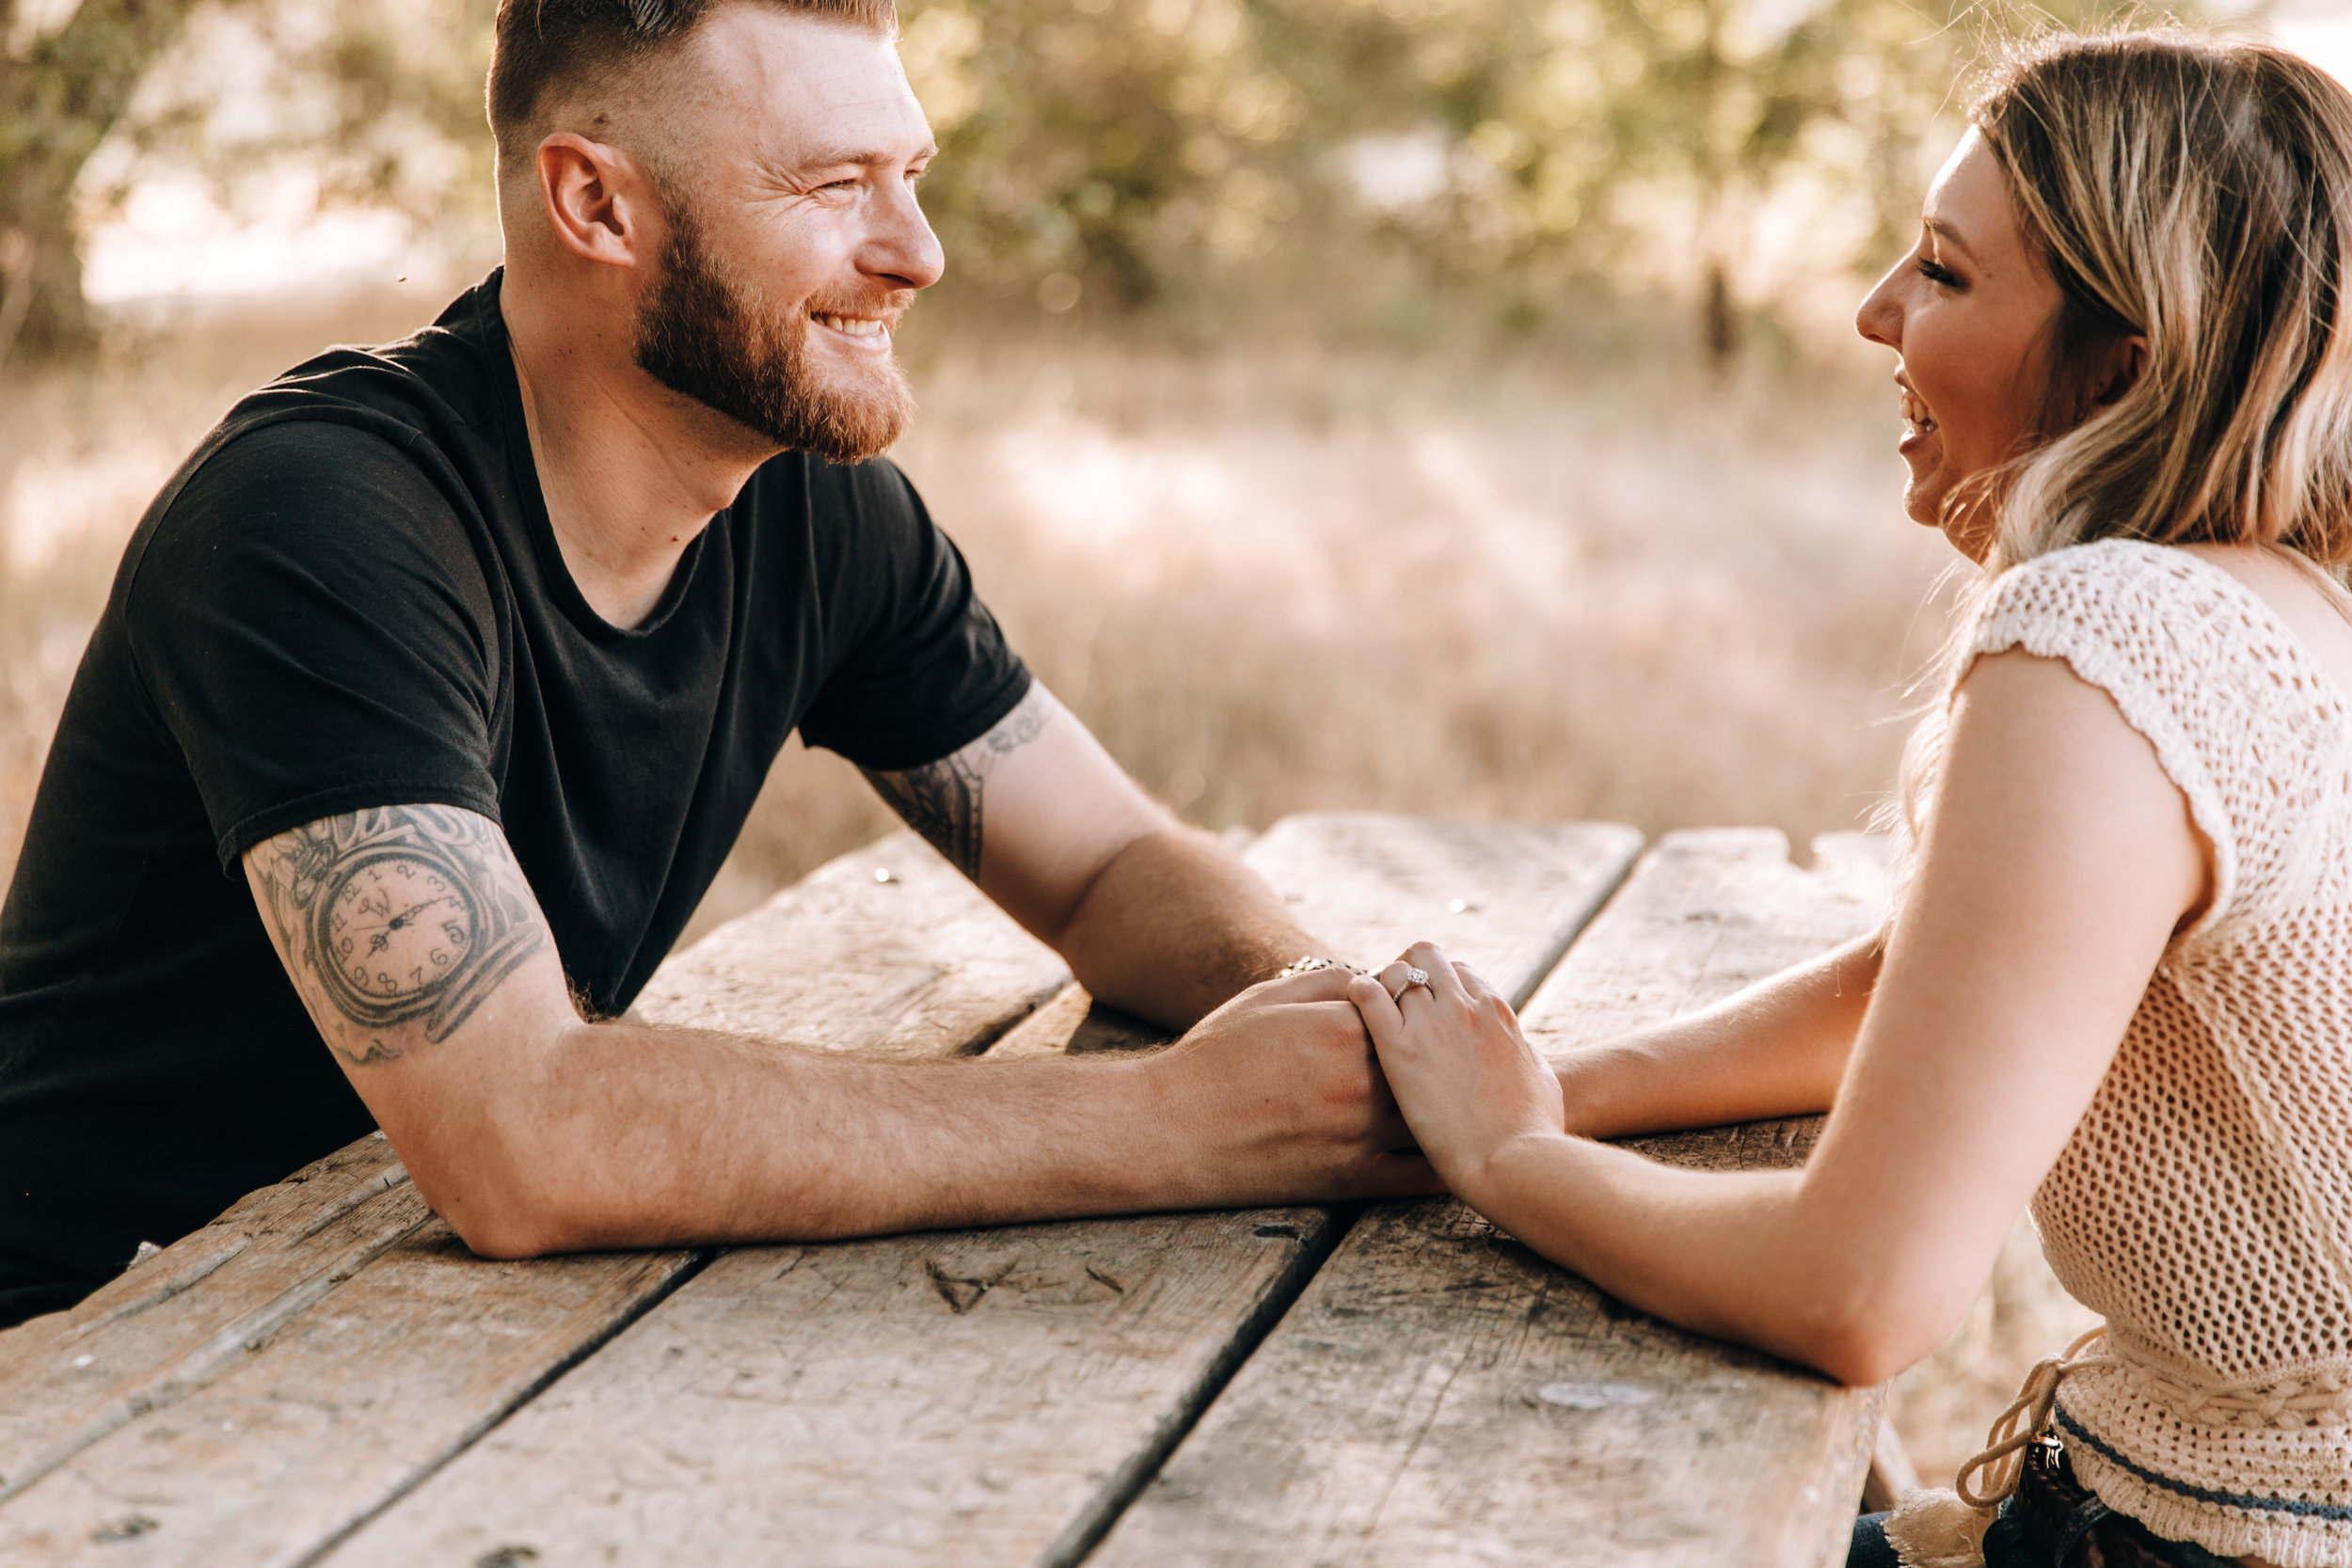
(902, 247)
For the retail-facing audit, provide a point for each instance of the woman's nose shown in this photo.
(1879, 317)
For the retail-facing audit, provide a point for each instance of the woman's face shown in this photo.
(1969, 313)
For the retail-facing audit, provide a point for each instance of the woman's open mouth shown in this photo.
(1917, 419)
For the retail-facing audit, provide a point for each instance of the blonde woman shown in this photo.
(2119, 979)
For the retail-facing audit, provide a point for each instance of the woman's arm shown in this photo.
(1776, 1048)
(2055, 866)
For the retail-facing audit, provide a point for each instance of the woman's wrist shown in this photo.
(1587, 1107)
(1508, 1174)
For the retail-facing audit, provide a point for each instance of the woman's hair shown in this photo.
(2198, 194)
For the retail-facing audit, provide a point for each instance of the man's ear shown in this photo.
(600, 205)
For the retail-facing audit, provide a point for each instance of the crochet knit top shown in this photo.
(2203, 1206)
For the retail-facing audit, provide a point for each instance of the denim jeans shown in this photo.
(2006, 1544)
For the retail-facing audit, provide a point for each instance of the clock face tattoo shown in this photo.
(394, 924)
(395, 915)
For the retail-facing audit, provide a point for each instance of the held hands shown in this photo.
(1276, 1097)
(1466, 1079)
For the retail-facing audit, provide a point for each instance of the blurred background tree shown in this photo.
(374, 103)
(1396, 163)
(67, 77)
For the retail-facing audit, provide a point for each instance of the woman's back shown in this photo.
(2203, 1205)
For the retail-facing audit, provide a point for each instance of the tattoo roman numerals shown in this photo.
(397, 915)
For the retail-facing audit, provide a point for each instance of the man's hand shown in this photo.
(1156, 918)
(1279, 1098)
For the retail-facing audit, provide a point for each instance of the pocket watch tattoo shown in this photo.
(400, 914)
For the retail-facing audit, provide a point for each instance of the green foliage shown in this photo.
(1148, 145)
(1304, 154)
(66, 74)
(378, 102)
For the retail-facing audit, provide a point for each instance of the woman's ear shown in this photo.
(2116, 370)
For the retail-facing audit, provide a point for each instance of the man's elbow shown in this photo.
(509, 1231)
(502, 1202)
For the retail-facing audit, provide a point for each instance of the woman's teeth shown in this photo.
(1916, 415)
(856, 326)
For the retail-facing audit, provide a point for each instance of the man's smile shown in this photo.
(871, 333)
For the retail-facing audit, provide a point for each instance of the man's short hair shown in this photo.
(543, 46)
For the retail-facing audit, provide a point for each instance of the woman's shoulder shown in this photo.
(2154, 605)
(2241, 719)
(2109, 568)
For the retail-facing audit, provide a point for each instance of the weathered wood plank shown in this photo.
(1370, 883)
(351, 1345)
(887, 952)
(874, 1401)
(423, 1350)
(1510, 897)
(1440, 1396)
(179, 1320)
(988, 1397)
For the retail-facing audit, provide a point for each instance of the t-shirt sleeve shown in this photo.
(2166, 637)
(315, 631)
(922, 668)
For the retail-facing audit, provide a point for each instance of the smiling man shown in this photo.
(435, 686)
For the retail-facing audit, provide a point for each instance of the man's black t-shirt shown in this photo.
(350, 596)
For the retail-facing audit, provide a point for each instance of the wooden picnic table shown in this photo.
(326, 1375)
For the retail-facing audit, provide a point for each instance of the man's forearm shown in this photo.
(618, 1134)
(1174, 926)
(635, 1136)
(436, 986)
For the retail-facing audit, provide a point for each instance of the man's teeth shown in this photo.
(856, 326)
(1915, 414)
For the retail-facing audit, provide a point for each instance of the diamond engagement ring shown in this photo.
(1412, 977)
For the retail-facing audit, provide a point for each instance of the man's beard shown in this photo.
(697, 334)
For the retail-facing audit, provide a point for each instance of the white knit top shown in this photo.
(2203, 1205)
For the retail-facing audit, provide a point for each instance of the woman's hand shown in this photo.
(1466, 1078)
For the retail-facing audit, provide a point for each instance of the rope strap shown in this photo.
(2003, 1459)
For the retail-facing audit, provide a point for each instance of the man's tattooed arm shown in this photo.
(942, 799)
(395, 923)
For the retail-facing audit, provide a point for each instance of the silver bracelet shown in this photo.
(1309, 964)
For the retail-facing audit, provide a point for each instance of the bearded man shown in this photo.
(435, 686)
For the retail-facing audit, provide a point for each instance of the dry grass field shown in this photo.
(1276, 577)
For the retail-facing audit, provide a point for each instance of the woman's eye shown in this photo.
(1937, 272)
